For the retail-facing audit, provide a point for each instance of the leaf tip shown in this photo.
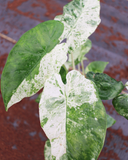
(6, 108)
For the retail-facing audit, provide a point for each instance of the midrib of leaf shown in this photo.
(65, 93)
(40, 37)
(27, 75)
(48, 32)
(30, 71)
(23, 79)
(72, 121)
(75, 22)
(66, 119)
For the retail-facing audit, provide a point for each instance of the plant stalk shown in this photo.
(79, 67)
(82, 63)
(73, 63)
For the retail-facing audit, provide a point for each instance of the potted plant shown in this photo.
(70, 107)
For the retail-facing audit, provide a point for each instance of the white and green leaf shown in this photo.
(79, 53)
(47, 150)
(73, 118)
(80, 19)
(35, 57)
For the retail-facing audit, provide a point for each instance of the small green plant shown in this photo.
(70, 107)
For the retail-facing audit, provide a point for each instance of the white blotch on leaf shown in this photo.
(50, 64)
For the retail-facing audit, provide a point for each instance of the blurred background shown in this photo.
(21, 137)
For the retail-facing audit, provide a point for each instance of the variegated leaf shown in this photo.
(78, 53)
(73, 118)
(80, 19)
(47, 150)
(108, 87)
(32, 60)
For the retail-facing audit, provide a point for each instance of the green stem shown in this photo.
(82, 67)
(73, 64)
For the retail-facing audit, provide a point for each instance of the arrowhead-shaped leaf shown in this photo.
(73, 118)
(96, 67)
(108, 87)
(80, 19)
(110, 121)
(120, 104)
(28, 64)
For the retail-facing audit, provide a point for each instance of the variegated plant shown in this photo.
(70, 107)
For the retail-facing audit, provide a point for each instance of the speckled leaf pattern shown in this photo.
(79, 53)
(80, 19)
(108, 87)
(120, 104)
(35, 57)
(110, 121)
(73, 118)
(47, 150)
(96, 67)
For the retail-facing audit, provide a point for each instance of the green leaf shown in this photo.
(73, 117)
(80, 19)
(110, 121)
(63, 73)
(78, 53)
(96, 67)
(120, 104)
(34, 58)
(108, 87)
